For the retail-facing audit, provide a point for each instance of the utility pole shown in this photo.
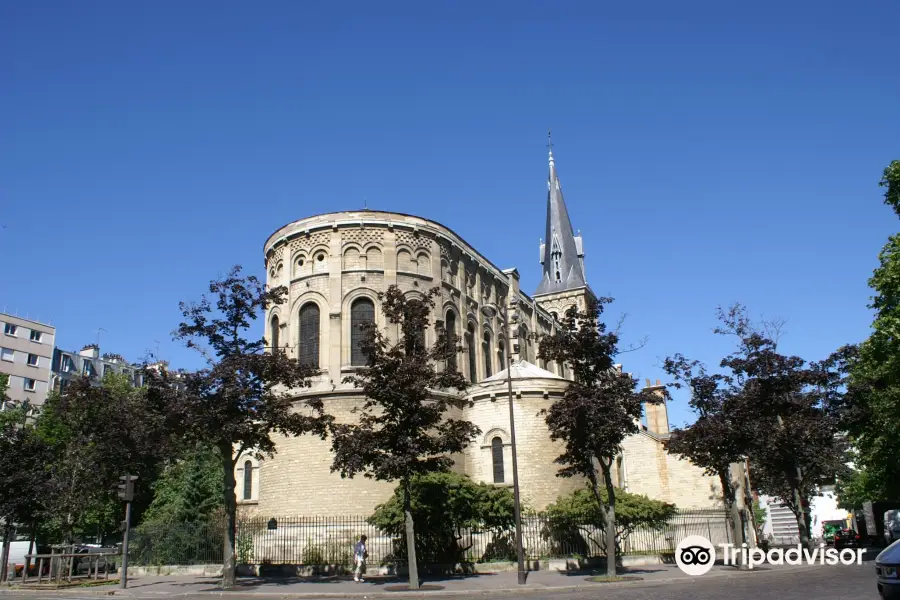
(126, 493)
(517, 504)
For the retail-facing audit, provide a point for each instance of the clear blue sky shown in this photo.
(709, 152)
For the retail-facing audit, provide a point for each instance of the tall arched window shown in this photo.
(501, 348)
(309, 335)
(361, 311)
(248, 480)
(274, 332)
(473, 360)
(451, 331)
(488, 358)
(497, 459)
(418, 343)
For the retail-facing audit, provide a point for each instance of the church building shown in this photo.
(334, 266)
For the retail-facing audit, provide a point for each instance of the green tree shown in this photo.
(871, 414)
(580, 512)
(244, 396)
(717, 439)
(599, 409)
(22, 479)
(97, 433)
(403, 429)
(784, 405)
(760, 516)
(189, 489)
(444, 505)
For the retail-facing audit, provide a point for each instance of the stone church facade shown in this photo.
(334, 266)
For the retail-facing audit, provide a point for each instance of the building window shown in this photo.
(32, 360)
(66, 365)
(88, 369)
(501, 349)
(362, 311)
(10, 329)
(7, 355)
(274, 325)
(416, 344)
(36, 336)
(497, 459)
(486, 350)
(30, 384)
(523, 343)
(309, 335)
(248, 480)
(473, 360)
(451, 335)
(107, 369)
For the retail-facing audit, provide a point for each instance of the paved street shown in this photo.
(660, 583)
(820, 583)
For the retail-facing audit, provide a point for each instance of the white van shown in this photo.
(892, 525)
(17, 552)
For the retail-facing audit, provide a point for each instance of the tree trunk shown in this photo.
(800, 511)
(4, 555)
(732, 514)
(410, 538)
(610, 520)
(228, 562)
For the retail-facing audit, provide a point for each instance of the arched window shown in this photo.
(248, 480)
(473, 360)
(523, 343)
(451, 331)
(501, 348)
(361, 311)
(274, 332)
(497, 459)
(488, 358)
(417, 344)
(309, 335)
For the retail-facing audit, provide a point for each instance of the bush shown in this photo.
(334, 551)
(445, 506)
(177, 543)
(572, 518)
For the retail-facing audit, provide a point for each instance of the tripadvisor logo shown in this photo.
(695, 555)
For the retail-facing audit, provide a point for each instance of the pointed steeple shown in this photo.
(562, 252)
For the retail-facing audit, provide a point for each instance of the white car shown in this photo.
(887, 570)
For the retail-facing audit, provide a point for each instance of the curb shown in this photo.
(523, 590)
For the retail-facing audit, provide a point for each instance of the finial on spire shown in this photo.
(550, 144)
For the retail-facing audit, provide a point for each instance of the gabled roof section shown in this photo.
(562, 251)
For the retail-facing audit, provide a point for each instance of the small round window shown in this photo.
(320, 257)
(300, 262)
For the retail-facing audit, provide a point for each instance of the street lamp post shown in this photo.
(517, 506)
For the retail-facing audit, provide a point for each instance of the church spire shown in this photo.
(562, 252)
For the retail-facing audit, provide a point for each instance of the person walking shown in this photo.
(360, 554)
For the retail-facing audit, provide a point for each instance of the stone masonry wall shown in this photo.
(650, 470)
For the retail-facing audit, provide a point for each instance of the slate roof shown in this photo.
(560, 242)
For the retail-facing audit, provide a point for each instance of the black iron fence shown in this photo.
(330, 540)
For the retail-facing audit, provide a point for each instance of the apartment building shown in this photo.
(26, 355)
(88, 362)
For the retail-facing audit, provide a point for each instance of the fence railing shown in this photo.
(329, 540)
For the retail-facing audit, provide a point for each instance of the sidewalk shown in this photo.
(296, 587)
